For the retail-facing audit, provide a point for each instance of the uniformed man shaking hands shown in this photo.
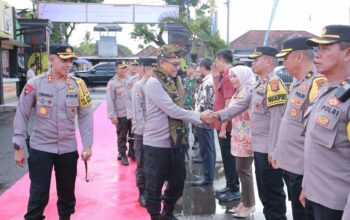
(56, 99)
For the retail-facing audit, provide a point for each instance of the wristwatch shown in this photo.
(16, 147)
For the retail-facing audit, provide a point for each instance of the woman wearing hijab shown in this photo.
(242, 79)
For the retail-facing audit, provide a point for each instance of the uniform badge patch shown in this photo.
(303, 87)
(28, 89)
(129, 85)
(43, 111)
(122, 94)
(293, 112)
(137, 93)
(348, 131)
(257, 105)
(296, 102)
(73, 110)
(71, 86)
(274, 85)
(323, 120)
(333, 101)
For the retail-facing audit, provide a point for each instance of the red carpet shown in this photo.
(110, 194)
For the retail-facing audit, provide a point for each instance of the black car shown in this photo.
(282, 72)
(98, 75)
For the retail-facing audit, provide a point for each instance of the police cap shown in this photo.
(259, 51)
(332, 34)
(293, 44)
(148, 61)
(63, 51)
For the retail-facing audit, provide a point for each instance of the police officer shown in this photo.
(326, 183)
(134, 77)
(289, 153)
(164, 136)
(139, 110)
(266, 104)
(56, 98)
(116, 107)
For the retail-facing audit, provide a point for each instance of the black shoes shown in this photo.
(132, 155)
(201, 182)
(229, 197)
(221, 191)
(142, 200)
(124, 159)
(119, 157)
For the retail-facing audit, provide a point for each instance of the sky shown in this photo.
(245, 15)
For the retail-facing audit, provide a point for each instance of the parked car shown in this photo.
(98, 75)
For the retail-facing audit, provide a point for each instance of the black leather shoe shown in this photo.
(125, 161)
(230, 197)
(201, 182)
(142, 200)
(222, 191)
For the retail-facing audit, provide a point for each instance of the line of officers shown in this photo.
(310, 138)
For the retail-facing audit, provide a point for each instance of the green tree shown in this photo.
(87, 48)
(154, 33)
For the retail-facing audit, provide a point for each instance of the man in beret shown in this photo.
(288, 155)
(326, 183)
(56, 98)
(266, 104)
(138, 122)
(164, 139)
(116, 107)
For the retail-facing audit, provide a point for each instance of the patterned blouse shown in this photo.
(241, 145)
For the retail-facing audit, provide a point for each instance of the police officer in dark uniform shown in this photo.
(56, 99)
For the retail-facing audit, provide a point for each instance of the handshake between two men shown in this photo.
(208, 116)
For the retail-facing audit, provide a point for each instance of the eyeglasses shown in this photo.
(175, 64)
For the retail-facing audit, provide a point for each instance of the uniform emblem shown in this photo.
(333, 101)
(49, 78)
(296, 102)
(73, 110)
(322, 120)
(121, 94)
(324, 31)
(137, 93)
(274, 85)
(28, 89)
(69, 50)
(293, 112)
(108, 86)
(129, 85)
(43, 111)
(257, 105)
(71, 86)
(303, 87)
(72, 90)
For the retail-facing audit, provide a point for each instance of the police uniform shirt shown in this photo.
(116, 97)
(55, 109)
(266, 99)
(327, 150)
(289, 152)
(346, 214)
(139, 106)
(159, 106)
(132, 80)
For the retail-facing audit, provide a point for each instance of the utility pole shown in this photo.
(228, 23)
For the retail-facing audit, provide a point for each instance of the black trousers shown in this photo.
(293, 182)
(207, 152)
(270, 188)
(40, 168)
(315, 211)
(140, 160)
(229, 163)
(123, 128)
(131, 151)
(161, 167)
